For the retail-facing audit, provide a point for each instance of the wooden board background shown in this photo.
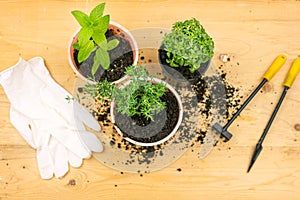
(252, 33)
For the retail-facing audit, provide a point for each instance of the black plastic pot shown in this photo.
(181, 73)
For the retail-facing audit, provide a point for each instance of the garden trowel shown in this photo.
(294, 70)
(214, 132)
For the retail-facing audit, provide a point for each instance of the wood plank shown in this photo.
(252, 33)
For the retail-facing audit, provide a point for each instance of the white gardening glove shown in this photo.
(74, 113)
(46, 120)
(53, 157)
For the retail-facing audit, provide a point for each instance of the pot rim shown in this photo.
(132, 42)
(171, 134)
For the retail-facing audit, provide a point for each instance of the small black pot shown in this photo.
(181, 73)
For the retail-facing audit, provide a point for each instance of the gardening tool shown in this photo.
(216, 130)
(287, 85)
(279, 61)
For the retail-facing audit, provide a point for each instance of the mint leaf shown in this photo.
(112, 44)
(84, 35)
(98, 37)
(85, 51)
(92, 36)
(97, 13)
(104, 58)
(96, 64)
(103, 23)
(101, 58)
(76, 46)
(103, 45)
(82, 18)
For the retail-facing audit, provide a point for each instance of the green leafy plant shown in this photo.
(188, 44)
(91, 37)
(140, 97)
(100, 90)
(69, 99)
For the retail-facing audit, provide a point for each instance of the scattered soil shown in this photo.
(297, 127)
(142, 130)
(120, 58)
(224, 58)
(72, 182)
(215, 93)
(208, 90)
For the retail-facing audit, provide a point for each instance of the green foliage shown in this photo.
(100, 90)
(91, 37)
(69, 99)
(188, 44)
(139, 97)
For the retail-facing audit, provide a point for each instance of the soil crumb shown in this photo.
(297, 127)
(72, 182)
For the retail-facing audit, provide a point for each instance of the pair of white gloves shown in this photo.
(49, 123)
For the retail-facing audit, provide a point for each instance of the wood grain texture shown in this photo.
(252, 33)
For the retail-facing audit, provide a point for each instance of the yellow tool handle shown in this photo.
(273, 69)
(292, 73)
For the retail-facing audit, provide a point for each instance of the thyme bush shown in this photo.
(188, 44)
(140, 97)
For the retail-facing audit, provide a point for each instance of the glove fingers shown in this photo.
(59, 155)
(61, 110)
(71, 140)
(84, 116)
(23, 125)
(40, 107)
(91, 141)
(45, 163)
(74, 160)
(72, 110)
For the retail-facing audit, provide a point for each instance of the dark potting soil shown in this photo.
(206, 89)
(142, 130)
(222, 96)
(120, 58)
(182, 72)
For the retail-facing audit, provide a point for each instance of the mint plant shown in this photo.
(91, 37)
(140, 97)
(188, 44)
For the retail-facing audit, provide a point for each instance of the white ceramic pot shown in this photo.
(171, 134)
(119, 30)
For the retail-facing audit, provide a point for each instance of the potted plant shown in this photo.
(187, 49)
(146, 111)
(101, 49)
